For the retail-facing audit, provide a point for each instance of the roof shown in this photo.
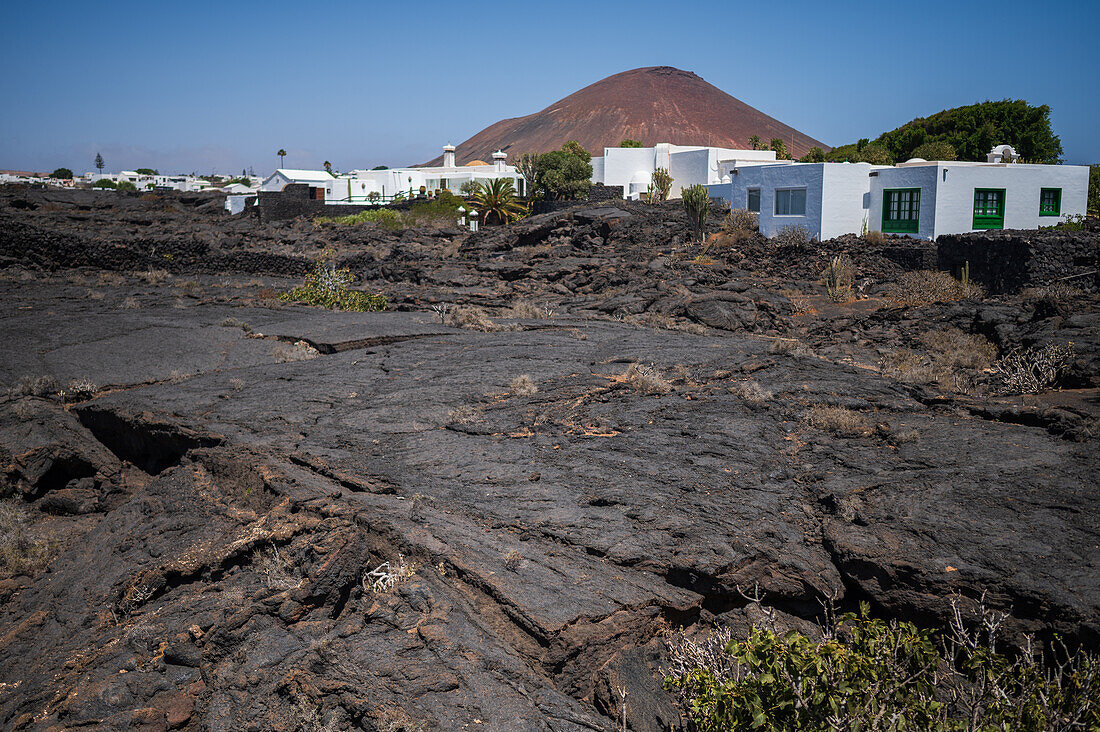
(475, 162)
(296, 174)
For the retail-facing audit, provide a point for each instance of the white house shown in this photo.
(826, 199)
(926, 199)
(366, 186)
(919, 198)
(284, 176)
(633, 167)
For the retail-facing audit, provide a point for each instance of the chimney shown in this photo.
(498, 160)
(448, 156)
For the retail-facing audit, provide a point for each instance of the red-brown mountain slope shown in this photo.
(653, 104)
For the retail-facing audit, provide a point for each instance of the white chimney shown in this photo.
(448, 156)
(498, 160)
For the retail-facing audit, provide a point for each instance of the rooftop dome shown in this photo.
(476, 162)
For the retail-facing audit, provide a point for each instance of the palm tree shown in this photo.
(755, 142)
(328, 167)
(281, 154)
(497, 201)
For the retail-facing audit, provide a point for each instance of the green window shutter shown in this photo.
(1050, 202)
(901, 210)
(989, 208)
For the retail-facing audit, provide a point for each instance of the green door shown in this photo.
(989, 208)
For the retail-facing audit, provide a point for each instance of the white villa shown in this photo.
(285, 176)
(633, 167)
(920, 198)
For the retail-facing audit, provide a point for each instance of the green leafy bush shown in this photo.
(105, 183)
(387, 218)
(630, 143)
(867, 674)
(330, 288)
(563, 174)
(126, 186)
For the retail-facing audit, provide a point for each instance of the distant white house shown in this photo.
(284, 176)
(920, 198)
(633, 167)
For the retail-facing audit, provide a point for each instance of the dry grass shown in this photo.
(155, 276)
(24, 410)
(388, 575)
(908, 366)
(789, 347)
(21, 551)
(131, 303)
(300, 351)
(875, 237)
(470, 317)
(838, 278)
(1056, 292)
(83, 388)
(952, 349)
(752, 394)
(464, 414)
(234, 323)
(800, 303)
(523, 386)
(110, 279)
(39, 386)
(929, 286)
(190, 288)
(236, 384)
(276, 569)
(95, 295)
(530, 310)
(840, 421)
(646, 379)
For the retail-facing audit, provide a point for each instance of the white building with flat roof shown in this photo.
(918, 198)
(633, 167)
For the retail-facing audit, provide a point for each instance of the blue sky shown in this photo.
(220, 86)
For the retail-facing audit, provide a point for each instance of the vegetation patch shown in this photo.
(21, 551)
(646, 379)
(329, 287)
(925, 287)
(840, 421)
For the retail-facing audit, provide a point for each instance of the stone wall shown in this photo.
(294, 201)
(1007, 261)
(597, 193)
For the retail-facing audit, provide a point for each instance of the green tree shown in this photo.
(814, 155)
(935, 151)
(146, 171)
(630, 143)
(469, 187)
(328, 167)
(281, 154)
(754, 142)
(496, 199)
(105, 183)
(126, 186)
(62, 174)
(381, 167)
(780, 148)
(575, 148)
(565, 173)
(875, 153)
(99, 162)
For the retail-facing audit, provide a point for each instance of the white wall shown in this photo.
(688, 168)
(947, 193)
(770, 177)
(845, 196)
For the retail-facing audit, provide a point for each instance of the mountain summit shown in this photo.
(653, 104)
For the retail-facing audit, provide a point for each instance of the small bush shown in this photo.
(925, 287)
(838, 278)
(131, 303)
(39, 386)
(1056, 292)
(234, 323)
(155, 276)
(741, 220)
(952, 349)
(276, 569)
(788, 347)
(21, 552)
(300, 351)
(1031, 370)
(386, 218)
(388, 575)
(329, 287)
(792, 235)
(839, 421)
(905, 365)
(646, 379)
(528, 309)
(750, 392)
(78, 389)
(867, 674)
(875, 237)
(464, 414)
(523, 386)
(470, 317)
(512, 560)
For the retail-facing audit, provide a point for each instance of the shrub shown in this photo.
(840, 421)
(470, 317)
(21, 553)
(105, 183)
(867, 674)
(792, 235)
(464, 414)
(565, 173)
(750, 392)
(523, 385)
(126, 186)
(528, 309)
(468, 188)
(952, 349)
(928, 286)
(387, 218)
(630, 143)
(1031, 370)
(388, 575)
(1056, 292)
(741, 221)
(838, 278)
(696, 200)
(40, 386)
(299, 351)
(329, 287)
(646, 379)
(875, 237)
(875, 153)
(512, 560)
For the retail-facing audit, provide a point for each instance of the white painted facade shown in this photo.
(284, 176)
(633, 167)
(848, 198)
(947, 190)
(358, 186)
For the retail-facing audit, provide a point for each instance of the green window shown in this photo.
(901, 210)
(989, 208)
(1050, 202)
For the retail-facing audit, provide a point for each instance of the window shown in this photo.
(754, 199)
(989, 208)
(1050, 202)
(790, 202)
(901, 210)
